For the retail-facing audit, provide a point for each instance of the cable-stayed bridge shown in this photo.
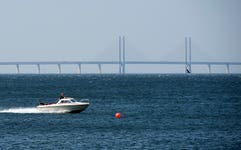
(122, 62)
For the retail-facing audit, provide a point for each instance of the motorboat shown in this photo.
(64, 105)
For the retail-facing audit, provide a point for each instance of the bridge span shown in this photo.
(122, 62)
(99, 64)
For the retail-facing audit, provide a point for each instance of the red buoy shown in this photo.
(118, 115)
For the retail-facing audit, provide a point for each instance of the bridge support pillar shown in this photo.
(79, 68)
(38, 66)
(17, 68)
(209, 68)
(99, 67)
(124, 55)
(187, 68)
(120, 68)
(227, 68)
(120, 61)
(59, 68)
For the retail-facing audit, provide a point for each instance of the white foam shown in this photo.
(20, 110)
(26, 110)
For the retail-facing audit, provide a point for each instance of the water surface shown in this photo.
(158, 112)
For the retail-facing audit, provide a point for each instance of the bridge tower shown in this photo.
(188, 55)
(122, 59)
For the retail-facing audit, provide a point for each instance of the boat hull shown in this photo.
(67, 108)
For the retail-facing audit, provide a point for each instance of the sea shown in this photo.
(158, 111)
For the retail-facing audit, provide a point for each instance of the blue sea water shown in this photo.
(158, 112)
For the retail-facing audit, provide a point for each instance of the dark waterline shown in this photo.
(159, 111)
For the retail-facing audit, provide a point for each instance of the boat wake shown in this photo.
(26, 110)
(20, 110)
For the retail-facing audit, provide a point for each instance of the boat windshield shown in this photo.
(65, 101)
(73, 101)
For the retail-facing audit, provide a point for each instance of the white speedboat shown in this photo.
(65, 105)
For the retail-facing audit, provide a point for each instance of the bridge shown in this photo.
(122, 63)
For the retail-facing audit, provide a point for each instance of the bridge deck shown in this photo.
(117, 62)
(121, 64)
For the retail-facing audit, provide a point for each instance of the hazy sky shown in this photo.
(42, 30)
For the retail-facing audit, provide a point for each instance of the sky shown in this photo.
(88, 30)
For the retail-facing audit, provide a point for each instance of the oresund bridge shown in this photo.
(122, 62)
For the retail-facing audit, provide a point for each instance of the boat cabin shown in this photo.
(66, 100)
